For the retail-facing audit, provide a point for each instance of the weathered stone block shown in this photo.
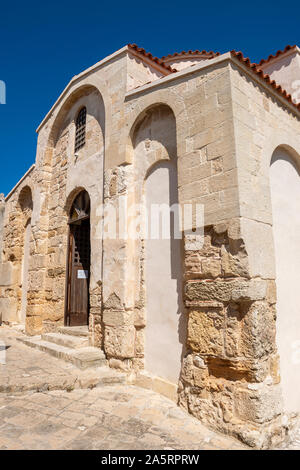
(166, 388)
(201, 377)
(140, 342)
(211, 267)
(258, 330)
(224, 291)
(119, 341)
(117, 318)
(209, 290)
(233, 266)
(34, 325)
(249, 291)
(205, 331)
(260, 405)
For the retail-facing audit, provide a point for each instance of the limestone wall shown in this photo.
(70, 173)
(2, 211)
(18, 211)
(62, 174)
(139, 73)
(203, 115)
(231, 376)
(217, 125)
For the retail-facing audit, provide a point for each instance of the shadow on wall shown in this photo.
(173, 248)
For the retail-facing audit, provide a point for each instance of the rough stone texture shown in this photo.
(15, 215)
(222, 123)
(230, 374)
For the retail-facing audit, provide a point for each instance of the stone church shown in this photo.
(216, 328)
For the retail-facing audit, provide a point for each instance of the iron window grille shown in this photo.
(80, 129)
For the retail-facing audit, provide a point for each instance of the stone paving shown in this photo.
(29, 369)
(109, 416)
(112, 417)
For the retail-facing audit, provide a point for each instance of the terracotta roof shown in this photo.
(239, 55)
(209, 54)
(278, 53)
(255, 68)
(158, 61)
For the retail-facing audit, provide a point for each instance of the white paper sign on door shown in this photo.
(82, 274)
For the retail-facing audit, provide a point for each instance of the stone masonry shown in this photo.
(218, 119)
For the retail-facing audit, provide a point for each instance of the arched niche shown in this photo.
(160, 279)
(25, 204)
(70, 107)
(285, 196)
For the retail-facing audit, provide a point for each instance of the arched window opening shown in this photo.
(80, 129)
(80, 208)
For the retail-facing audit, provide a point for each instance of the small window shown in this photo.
(80, 129)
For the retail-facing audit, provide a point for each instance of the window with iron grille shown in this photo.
(80, 129)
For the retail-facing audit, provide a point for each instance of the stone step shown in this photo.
(83, 358)
(66, 340)
(74, 330)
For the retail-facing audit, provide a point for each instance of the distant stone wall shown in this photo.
(18, 211)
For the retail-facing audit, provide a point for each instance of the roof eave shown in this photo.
(19, 182)
(288, 50)
(228, 56)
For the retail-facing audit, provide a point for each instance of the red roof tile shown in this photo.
(239, 55)
(209, 54)
(278, 53)
(158, 61)
(255, 68)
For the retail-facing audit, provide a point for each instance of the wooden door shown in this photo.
(79, 273)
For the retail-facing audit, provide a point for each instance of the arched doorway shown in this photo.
(285, 191)
(79, 259)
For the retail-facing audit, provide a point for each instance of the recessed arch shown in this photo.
(25, 204)
(288, 150)
(25, 269)
(67, 105)
(161, 97)
(285, 196)
(156, 127)
(141, 115)
(25, 200)
(157, 98)
(154, 145)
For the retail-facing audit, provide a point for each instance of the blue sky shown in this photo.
(42, 45)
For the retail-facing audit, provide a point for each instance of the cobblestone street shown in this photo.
(109, 416)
